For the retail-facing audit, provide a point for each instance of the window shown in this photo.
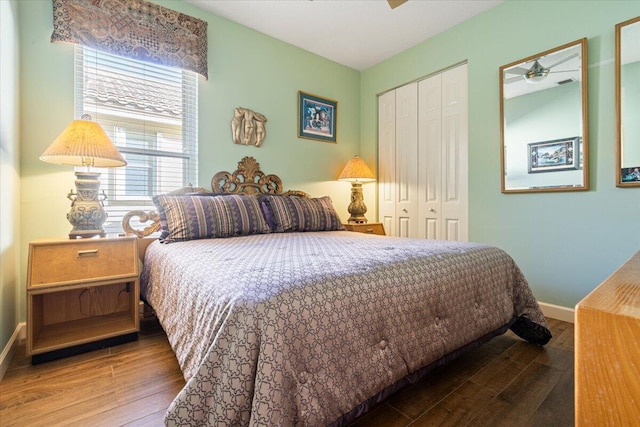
(151, 114)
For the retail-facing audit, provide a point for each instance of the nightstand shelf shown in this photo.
(367, 228)
(82, 331)
(80, 292)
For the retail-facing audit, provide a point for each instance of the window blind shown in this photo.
(151, 114)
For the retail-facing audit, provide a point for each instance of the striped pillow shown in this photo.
(293, 213)
(201, 217)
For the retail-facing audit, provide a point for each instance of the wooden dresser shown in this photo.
(607, 351)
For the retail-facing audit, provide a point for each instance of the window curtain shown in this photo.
(134, 29)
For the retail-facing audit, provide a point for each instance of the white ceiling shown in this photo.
(355, 33)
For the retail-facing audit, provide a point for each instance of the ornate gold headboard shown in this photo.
(247, 179)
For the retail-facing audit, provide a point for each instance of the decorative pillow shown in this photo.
(200, 217)
(293, 213)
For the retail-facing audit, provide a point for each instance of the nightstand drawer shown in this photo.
(63, 262)
(367, 228)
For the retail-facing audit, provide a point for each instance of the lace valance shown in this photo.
(136, 29)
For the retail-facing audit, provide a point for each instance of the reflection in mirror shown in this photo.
(628, 103)
(543, 112)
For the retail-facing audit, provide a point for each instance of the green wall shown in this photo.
(246, 69)
(565, 242)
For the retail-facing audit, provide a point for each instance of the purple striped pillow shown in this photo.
(203, 217)
(293, 213)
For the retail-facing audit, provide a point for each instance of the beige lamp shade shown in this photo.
(83, 143)
(356, 170)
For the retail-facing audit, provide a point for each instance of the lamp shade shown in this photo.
(83, 143)
(356, 170)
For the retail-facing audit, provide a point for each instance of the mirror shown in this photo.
(543, 114)
(628, 103)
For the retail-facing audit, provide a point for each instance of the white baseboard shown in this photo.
(557, 312)
(19, 334)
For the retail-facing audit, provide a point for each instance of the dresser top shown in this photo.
(619, 293)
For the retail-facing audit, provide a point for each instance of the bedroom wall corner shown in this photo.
(10, 278)
(558, 312)
(246, 69)
(567, 242)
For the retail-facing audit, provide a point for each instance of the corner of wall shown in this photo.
(557, 312)
(10, 277)
(18, 336)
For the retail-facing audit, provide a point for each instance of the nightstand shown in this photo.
(368, 228)
(81, 295)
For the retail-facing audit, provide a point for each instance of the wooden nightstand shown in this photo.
(81, 295)
(369, 228)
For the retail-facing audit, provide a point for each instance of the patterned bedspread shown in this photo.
(300, 328)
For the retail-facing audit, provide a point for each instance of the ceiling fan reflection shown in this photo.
(395, 3)
(537, 72)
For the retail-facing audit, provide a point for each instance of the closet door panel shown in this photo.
(430, 230)
(387, 161)
(429, 156)
(455, 153)
(406, 161)
(404, 226)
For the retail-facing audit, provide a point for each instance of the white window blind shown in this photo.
(151, 114)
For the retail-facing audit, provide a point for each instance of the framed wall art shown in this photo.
(317, 117)
(554, 155)
(631, 174)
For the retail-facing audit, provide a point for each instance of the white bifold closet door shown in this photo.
(423, 158)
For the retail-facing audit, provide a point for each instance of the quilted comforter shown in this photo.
(302, 328)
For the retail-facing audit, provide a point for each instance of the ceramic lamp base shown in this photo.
(357, 208)
(87, 212)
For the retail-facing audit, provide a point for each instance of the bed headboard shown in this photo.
(247, 179)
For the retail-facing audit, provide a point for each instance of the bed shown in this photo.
(302, 323)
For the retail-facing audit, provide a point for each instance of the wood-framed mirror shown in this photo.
(627, 77)
(543, 117)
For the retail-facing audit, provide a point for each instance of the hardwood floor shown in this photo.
(506, 382)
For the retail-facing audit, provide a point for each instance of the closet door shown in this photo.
(422, 158)
(443, 156)
(387, 161)
(455, 154)
(430, 157)
(406, 161)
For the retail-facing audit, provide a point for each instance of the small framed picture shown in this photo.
(555, 155)
(631, 174)
(317, 117)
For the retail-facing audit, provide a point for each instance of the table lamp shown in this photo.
(356, 171)
(84, 143)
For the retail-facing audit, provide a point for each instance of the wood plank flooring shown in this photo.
(506, 382)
